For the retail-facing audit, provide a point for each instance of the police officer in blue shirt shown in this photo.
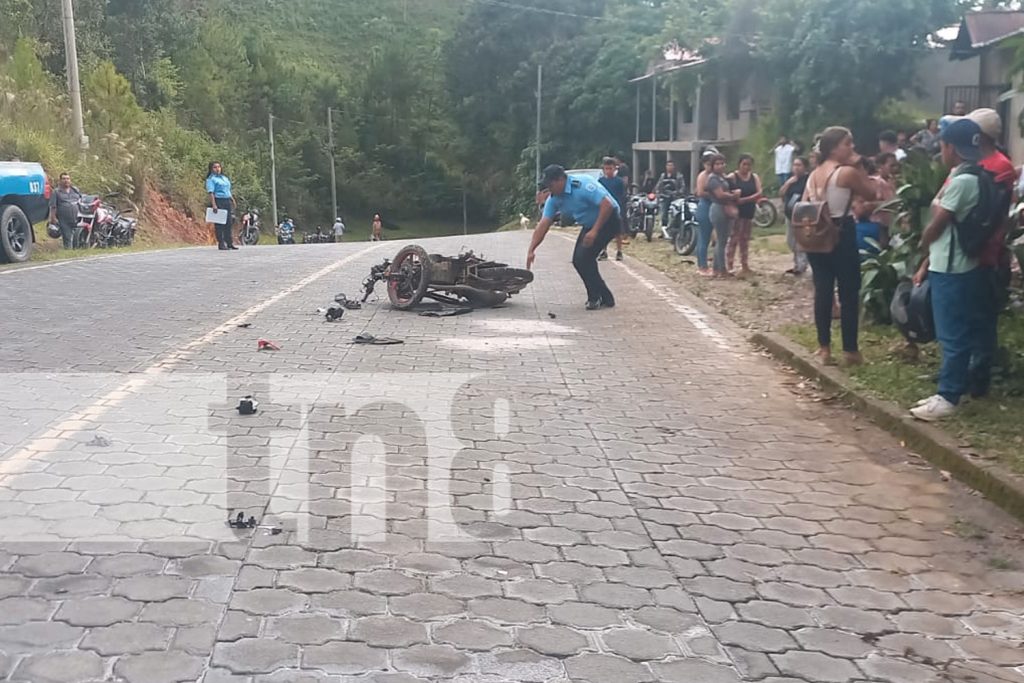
(590, 205)
(218, 186)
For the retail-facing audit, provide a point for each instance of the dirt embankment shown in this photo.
(163, 223)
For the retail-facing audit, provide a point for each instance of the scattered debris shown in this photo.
(552, 315)
(334, 313)
(350, 304)
(266, 345)
(376, 341)
(240, 522)
(248, 406)
(447, 312)
(244, 326)
(99, 442)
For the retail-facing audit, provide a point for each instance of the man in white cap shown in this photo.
(995, 259)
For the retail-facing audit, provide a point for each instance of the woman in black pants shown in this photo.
(218, 186)
(836, 180)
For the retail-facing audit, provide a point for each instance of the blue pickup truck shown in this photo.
(24, 201)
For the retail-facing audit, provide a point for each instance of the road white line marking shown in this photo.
(48, 441)
(695, 317)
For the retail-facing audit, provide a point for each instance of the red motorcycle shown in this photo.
(101, 225)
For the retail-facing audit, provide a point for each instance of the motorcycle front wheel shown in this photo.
(766, 214)
(250, 237)
(649, 227)
(686, 238)
(409, 277)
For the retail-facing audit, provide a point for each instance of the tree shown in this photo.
(836, 61)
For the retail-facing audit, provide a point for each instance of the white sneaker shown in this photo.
(933, 409)
(921, 402)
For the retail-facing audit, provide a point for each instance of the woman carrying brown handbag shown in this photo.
(835, 181)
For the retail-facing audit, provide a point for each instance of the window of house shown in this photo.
(687, 111)
(732, 100)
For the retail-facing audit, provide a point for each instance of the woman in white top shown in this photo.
(836, 180)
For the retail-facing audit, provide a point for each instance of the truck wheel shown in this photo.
(15, 235)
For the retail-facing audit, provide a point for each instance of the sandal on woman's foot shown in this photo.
(852, 359)
(824, 357)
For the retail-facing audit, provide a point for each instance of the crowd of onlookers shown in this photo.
(966, 258)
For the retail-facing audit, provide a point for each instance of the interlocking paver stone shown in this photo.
(127, 638)
(159, 667)
(60, 667)
(552, 640)
(344, 658)
(599, 668)
(255, 655)
(388, 632)
(639, 644)
(470, 634)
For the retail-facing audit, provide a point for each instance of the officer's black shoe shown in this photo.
(608, 303)
(594, 305)
(618, 256)
(603, 256)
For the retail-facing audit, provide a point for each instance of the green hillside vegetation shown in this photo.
(431, 97)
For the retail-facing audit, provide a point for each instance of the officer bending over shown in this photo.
(592, 207)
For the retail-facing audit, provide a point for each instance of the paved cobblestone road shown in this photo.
(639, 495)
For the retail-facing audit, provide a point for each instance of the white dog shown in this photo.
(524, 222)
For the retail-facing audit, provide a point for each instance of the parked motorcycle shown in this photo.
(250, 232)
(286, 233)
(634, 213)
(101, 226)
(649, 210)
(682, 225)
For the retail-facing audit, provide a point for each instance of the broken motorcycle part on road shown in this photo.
(266, 345)
(334, 313)
(463, 280)
(248, 406)
(376, 341)
(240, 522)
(350, 304)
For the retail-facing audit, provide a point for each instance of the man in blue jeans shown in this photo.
(958, 284)
(592, 207)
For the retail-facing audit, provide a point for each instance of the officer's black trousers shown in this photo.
(584, 260)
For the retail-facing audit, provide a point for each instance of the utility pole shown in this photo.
(540, 82)
(74, 87)
(273, 173)
(334, 177)
(465, 222)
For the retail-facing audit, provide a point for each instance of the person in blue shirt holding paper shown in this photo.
(590, 205)
(218, 186)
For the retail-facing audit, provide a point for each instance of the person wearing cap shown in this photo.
(994, 260)
(592, 207)
(957, 282)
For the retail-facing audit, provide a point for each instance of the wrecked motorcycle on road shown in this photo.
(466, 279)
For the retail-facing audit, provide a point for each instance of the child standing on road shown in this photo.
(377, 229)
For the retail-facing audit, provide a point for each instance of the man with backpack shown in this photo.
(966, 214)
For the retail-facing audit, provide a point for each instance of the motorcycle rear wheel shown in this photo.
(250, 238)
(512, 280)
(409, 277)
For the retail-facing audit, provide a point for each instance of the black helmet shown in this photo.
(53, 230)
(911, 311)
